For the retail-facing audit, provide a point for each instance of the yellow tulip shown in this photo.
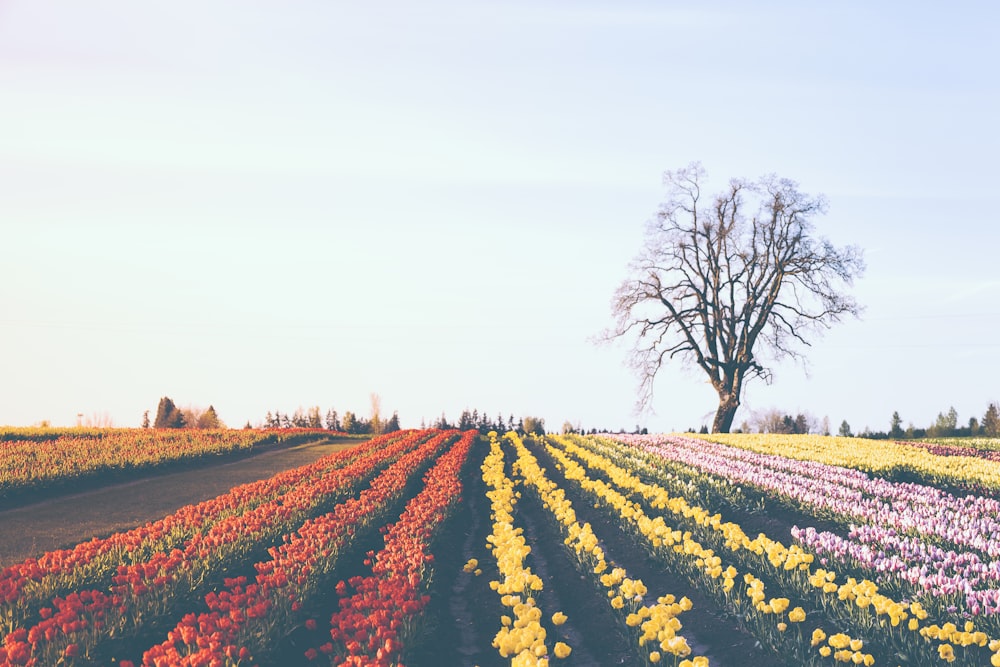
(562, 650)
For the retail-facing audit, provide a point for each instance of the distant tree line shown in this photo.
(168, 415)
(776, 421)
(349, 422)
(945, 426)
(475, 420)
(481, 421)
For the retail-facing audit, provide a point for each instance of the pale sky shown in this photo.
(263, 205)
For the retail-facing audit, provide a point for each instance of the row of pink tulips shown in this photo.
(970, 522)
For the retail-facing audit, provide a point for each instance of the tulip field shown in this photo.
(432, 547)
(32, 459)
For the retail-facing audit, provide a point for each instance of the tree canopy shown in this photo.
(168, 415)
(210, 419)
(730, 283)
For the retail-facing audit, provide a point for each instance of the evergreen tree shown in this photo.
(896, 426)
(168, 415)
(393, 423)
(315, 420)
(991, 421)
(165, 407)
(209, 419)
(332, 422)
(145, 419)
(945, 424)
(801, 423)
(176, 419)
(845, 429)
(349, 423)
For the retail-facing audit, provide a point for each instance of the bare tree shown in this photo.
(99, 420)
(730, 283)
(376, 402)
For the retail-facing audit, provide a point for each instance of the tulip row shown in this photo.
(858, 604)
(28, 464)
(945, 448)
(243, 619)
(43, 433)
(952, 580)
(888, 459)
(679, 549)
(25, 587)
(844, 494)
(146, 590)
(655, 626)
(901, 525)
(376, 624)
(521, 637)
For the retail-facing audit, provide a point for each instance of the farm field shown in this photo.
(454, 548)
(35, 462)
(61, 520)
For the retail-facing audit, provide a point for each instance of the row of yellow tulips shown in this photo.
(523, 637)
(655, 626)
(856, 604)
(679, 549)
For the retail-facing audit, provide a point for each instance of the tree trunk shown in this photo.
(728, 404)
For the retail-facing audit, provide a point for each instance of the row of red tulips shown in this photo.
(28, 585)
(245, 618)
(377, 622)
(148, 589)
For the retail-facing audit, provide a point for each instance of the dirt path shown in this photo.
(461, 623)
(67, 520)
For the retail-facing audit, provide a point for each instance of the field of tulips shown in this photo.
(449, 548)
(33, 460)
